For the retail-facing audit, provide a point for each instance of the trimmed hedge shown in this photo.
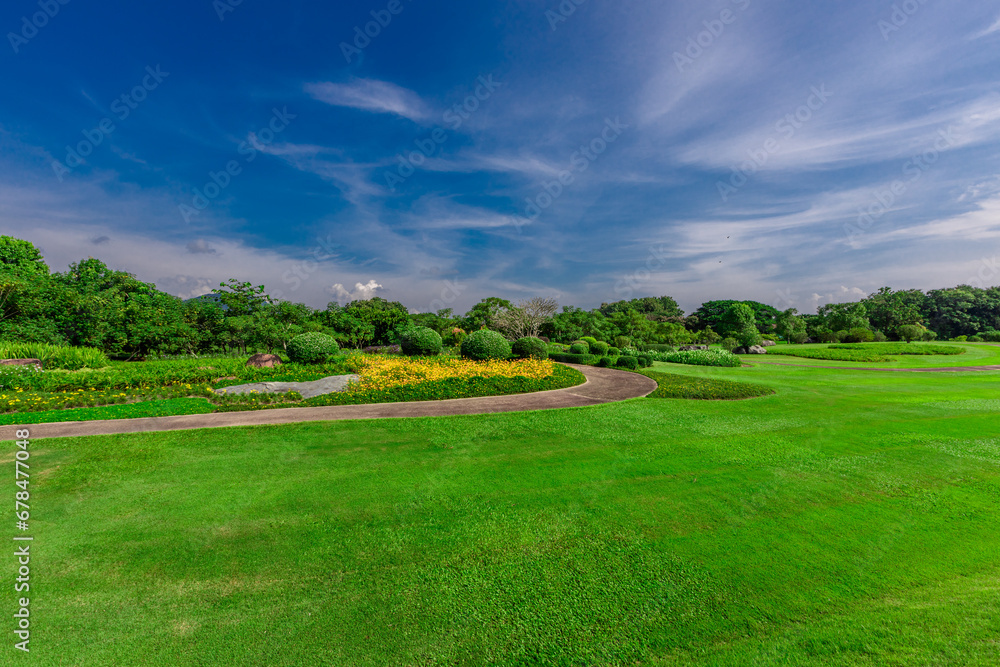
(420, 342)
(584, 359)
(629, 363)
(484, 344)
(644, 361)
(613, 352)
(606, 362)
(529, 348)
(579, 347)
(312, 348)
(599, 348)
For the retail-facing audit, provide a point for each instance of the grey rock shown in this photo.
(264, 361)
(756, 349)
(768, 343)
(691, 348)
(328, 385)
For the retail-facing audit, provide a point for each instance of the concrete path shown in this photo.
(603, 385)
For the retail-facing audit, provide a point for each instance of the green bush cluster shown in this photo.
(599, 347)
(55, 356)
(579, 347)
(420, 341)
(628, 363)
(606, 362)
(613, 352)
(720, 358)
(583, 359)
(530, 348)
(483, 345)
(312, 348)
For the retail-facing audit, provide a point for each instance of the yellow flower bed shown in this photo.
(383, 372)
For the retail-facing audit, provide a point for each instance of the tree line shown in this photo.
(93, 305)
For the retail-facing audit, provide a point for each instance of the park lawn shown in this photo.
(975, 355)
(849, 519)
(162, 408)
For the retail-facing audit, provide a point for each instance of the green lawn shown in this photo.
(852, 518)
(974, 355)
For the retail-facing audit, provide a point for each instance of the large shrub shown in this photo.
(530, 348)
(312, 348)
(420, 341)
(599, 347)
(579, 347)
(589, 340)
(613, 351)
(606, 362)
(630, 363)
(859, 335)
(484, 344)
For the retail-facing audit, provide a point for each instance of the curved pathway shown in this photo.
(603, 385)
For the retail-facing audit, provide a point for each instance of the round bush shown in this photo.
(606, 362)
(420, 342)
(644, 361)
(312, 348)
(485, 344)
(599, 347)
(530, 348)
(589, 340)
(579, 347)
(630, 363)
(613, 351)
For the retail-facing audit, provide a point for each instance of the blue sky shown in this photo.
(793, 153)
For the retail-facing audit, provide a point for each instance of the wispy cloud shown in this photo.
(371, 95)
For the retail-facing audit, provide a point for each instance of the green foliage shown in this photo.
(579, 347)
(613, 352)
(484, 344)
(582, 359)
(55, 357)
(859, 335)
(420, 341)
(599, 347)
(21, 258)
(529, 348)
(905, 349)
(729, 344)
(910, 332)
(589, 340)
(719, 358)
(606, 362)
(644, 361)
(241, 298)
(716, 315)
(381, 316)
(628, 363)
(312, 348)
(844, 316)
(484, 313)
(664, 306)
(159, 408)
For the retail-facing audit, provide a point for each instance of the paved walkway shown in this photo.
(603, 385)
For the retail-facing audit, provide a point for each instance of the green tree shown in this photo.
(791, 327)
(484, 314)
(383, 316)
(241, 299)
(21, 258)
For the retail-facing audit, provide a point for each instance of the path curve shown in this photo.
(603, 385)
(943, 369)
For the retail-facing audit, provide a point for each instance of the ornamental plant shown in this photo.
(530, 348)
(599, 347)
(579, 347)
(484, 345)
(312, 348)
(420, 341)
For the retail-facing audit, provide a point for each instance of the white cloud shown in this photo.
(360, 292)
(371, 95)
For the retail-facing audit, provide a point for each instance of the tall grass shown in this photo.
(55, 356)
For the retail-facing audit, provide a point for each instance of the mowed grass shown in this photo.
(851, 519)
(883, 355)
(161, 408)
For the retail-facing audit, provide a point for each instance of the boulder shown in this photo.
(264, 361)
(37, 363)
(756, 349)
(691, 348)
(768, 343)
